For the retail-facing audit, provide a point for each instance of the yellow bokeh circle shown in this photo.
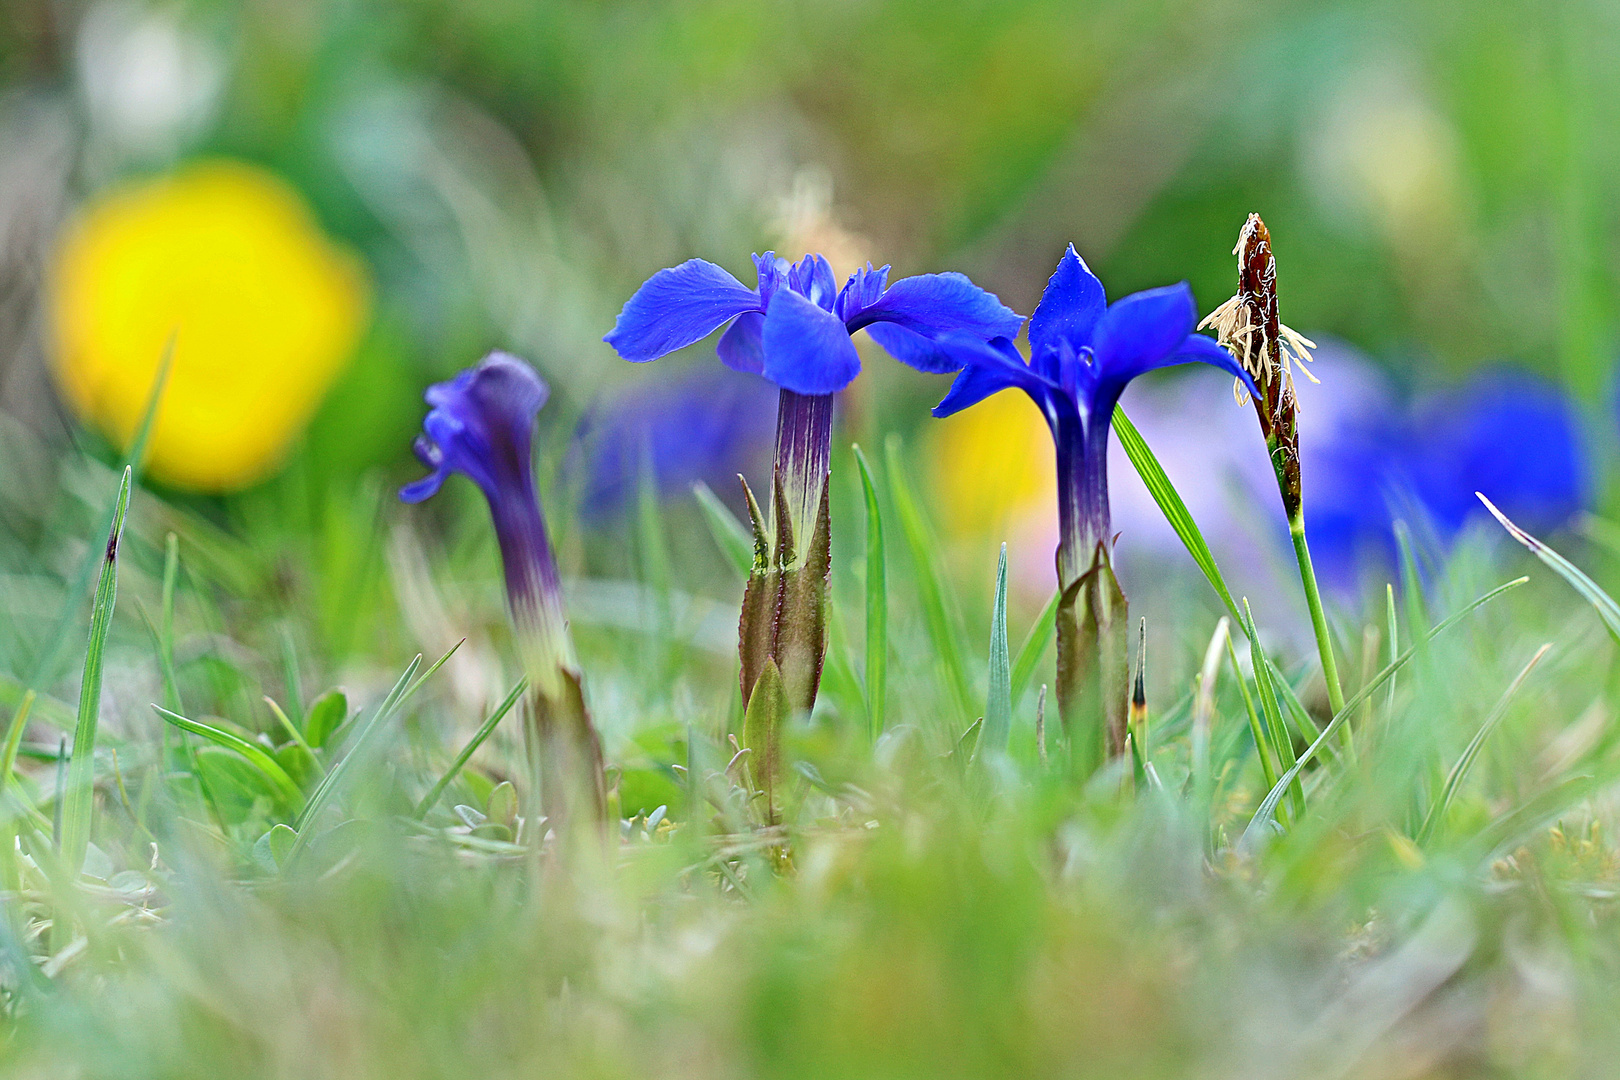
(264, 311)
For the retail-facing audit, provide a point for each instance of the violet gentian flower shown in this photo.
(794, 328)
(1084, 351)
(481, 425)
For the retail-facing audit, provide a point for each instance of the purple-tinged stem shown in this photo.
(803, 450)
(1083, 514)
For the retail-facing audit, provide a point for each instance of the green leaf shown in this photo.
(762, 735)
(1601, 601)
(254, 753)
(485, 730)
(877, 605)
(936, 614)
(282, 838)
(1268, 806)
(1459, 771)
(78, 800)
(733, 539)
(998, 703)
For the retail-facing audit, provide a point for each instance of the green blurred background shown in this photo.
(1440, 178)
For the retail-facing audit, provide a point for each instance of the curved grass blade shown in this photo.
(485, 730)
(1454, 779)
(78, 798)
(998, 703)
(877, 605)
(1601, 601)
(735, 541)
(257, 755)
(14, 734)
(1268, 806)
(940, 629)
(1275, 728)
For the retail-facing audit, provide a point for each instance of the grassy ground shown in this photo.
(1431, 905)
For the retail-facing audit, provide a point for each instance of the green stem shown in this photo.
(1324, 638)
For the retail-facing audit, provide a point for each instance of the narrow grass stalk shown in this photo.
(877, 605)
(1282, 747)
(78, 798)
(1261, 743)
(998, 700)
(730, 535)
(1319, 626)
(485, 730)
(1033, 648)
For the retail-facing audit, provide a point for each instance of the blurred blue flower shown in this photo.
(1084, 351)
(481, 425)
(1509, 435)
(702, 425)
(795, 327)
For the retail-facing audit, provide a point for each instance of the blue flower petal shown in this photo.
(988, 368)
(741, 347)
(423, 489)
(935, 304)
(1139, 332)
(807, 349)
(676, 307)
(912, 348)
(482, 425)
(771, 274)
(1070, 307)
(861, 290)
(1195, 348)
(813, 278)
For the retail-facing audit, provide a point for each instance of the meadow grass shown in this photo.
(285, 878)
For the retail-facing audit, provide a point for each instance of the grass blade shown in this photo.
(485, 730)
(733, 539)
(78, 801)
(1268, 806)
(14, 734)
(1601, 601)
(255, 754)
(55, 655)
(1033, 648)
(1276, 729)
(998, 703)
(877, 604)
(937, 615)
(1392, 624)
(1459, 771)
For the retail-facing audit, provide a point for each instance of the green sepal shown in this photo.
(801, 614)
(756, 626)
(1093, 669)
(762, 737)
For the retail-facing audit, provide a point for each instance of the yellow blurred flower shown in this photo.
(264, 309)
(993, 467)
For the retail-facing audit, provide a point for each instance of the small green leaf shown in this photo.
(762, 737)
(484, 731)
(326, 715)
(283, 784)
(282, 839)
(502, 807)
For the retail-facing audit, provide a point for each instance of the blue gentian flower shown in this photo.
(795, 327)
(482, 425)
(1509, 435)
(1083, 353)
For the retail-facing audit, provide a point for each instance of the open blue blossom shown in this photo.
(795, 327)
(1084, 351)
(482, 425)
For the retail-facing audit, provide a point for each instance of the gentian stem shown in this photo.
(803, 451)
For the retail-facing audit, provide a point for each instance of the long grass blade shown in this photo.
(1256, 730)
(940, 627)
(78, 799)
(877, 604)
(1276, 729)
(485, 730)
(1268, 806)
(998, 702)
(1601, 601)
(1459, 771)
(55, 656)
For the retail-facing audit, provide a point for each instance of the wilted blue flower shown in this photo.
(482, 425)
(795, 327)
(1084, 351)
